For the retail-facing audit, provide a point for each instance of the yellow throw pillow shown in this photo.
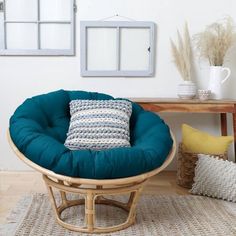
(196, 141)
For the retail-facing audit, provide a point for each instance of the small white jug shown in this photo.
(217, 78)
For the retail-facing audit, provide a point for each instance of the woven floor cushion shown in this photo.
(38, 128)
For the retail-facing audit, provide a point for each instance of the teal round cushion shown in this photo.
(38, 128)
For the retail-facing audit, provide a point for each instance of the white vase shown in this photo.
(217, 78)
(187, 90)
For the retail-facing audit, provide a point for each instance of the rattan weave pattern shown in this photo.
(186, 163)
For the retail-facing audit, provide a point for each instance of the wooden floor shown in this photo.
(14, 185)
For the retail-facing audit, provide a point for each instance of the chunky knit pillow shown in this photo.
(215, 178)
(99, 124)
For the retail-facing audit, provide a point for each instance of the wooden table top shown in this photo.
(182, 101)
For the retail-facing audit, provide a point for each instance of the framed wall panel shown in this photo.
(37, 27)
(117, 48)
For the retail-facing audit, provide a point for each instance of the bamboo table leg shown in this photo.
(223, 121)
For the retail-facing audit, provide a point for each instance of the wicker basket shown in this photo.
(186, 163)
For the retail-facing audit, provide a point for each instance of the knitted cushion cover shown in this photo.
(99, 124)
(215, 178)
(39, 126)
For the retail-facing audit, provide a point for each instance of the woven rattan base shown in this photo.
(91, 197)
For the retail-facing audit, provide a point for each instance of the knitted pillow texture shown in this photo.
(215, 178)
(99, 124)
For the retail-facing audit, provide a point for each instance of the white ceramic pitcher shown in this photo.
(217, 78)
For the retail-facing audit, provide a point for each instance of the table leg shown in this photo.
(223, 121)
(234, 131)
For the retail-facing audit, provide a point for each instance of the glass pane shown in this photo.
(135, 43)
(21, 10)
(55, 10)
(55, 36)
(21, 36)
(101, 49)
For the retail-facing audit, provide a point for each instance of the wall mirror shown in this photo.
(117, 48)
(37, 27)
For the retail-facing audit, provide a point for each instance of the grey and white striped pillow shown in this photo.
(99, 124)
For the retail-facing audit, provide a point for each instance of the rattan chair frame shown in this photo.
(93, 192)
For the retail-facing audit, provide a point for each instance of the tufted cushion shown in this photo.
(39, 126)
(99, 124)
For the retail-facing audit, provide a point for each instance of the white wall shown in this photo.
(23, 77)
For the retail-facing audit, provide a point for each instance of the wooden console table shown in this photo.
(221, 107)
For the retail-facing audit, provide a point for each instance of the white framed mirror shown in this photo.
(117, 48)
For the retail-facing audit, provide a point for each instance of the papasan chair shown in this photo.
(37, 133)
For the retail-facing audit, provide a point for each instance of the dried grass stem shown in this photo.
(182, 54)
(215, 41)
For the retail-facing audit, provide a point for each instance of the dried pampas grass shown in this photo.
(182, 54)
(214, 42)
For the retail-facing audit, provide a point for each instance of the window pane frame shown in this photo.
(4, 51)
(84, 25)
